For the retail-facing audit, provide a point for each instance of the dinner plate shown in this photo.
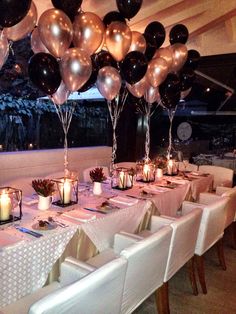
(47, 227)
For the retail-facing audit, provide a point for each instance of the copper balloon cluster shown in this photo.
(79, 49)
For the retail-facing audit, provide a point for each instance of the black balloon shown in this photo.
(187, 77)
(104, 58)
(193, 59)
(171, 85)
(129, 8)
(134, 67)
(170, 102)
(113, 16)
(178, 34)
(13, 11)
(70, 7)
(44, 72)
(155, 34)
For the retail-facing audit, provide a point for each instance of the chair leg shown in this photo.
(232, 230)
(201, 272)
(220, 252)
(192, 277)
(162, 299)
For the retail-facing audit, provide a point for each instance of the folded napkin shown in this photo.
(7, 239)
(124, 200)
(179, 181)
(157, 189)
(79, 215)
(197, 173)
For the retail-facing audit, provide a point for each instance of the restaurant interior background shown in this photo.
(29, 122)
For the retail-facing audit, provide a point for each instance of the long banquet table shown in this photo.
(26, 262)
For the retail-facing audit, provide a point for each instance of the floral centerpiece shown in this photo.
(160, 162)
(43, 187)
(97, 175)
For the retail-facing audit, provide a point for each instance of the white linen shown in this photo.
(79, 215)
(202, 184)
(102, 231)
(24, 267)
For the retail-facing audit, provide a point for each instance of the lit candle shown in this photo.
(122, 181)
(5, 206)
(159, 173)
(170, 167)
(66, 191)
(129, 181)
(1, 148)
(146, 173)
(31, 146)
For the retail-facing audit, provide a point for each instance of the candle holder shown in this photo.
(10, 205)
(122, 179)
(67, 189)
(171, 168)
(146, 172)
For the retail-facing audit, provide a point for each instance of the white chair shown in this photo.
(182, 247)
(211, 231)
(82, 289)
(189, 167)
(230, 209)
(86, 176)
(222, 176)
(146, 266)
(125, 164)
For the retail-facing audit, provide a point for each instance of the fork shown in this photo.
(59, 223)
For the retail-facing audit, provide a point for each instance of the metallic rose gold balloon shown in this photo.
(89, 32)
(157, 71)
(56, 31)
(25, 26)
(138, 89)
(118, 40)
(36, 43)
(61, 95)
(138, 42)
(4, 49)
(166, 54)
(179, 55)
(76, 68)
(152, 94)
(108, 82)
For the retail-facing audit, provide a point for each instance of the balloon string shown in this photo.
(147, 141)
(115, 108)
(65, 118)
(171, 114)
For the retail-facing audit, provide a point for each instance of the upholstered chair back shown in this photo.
(222, 176)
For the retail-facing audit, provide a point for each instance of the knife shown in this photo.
(33, 233)
(95, 210)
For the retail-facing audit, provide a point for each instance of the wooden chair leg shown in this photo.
(232, 230)
(192, 277)
(201, 272)
(162, 299)
(220, 252)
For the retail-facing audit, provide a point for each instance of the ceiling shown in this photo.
(211, 23)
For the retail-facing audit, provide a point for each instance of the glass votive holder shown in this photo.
(146, 172)
(10, 205)
(122, 179)
(67, 189)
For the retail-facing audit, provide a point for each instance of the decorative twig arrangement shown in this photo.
(171, 114)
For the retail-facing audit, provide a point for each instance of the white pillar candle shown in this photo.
(159, 173)
(129, 181)
(66, 191)
(5, 206)
(122, 180)
(170, 167)
(146, 173)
